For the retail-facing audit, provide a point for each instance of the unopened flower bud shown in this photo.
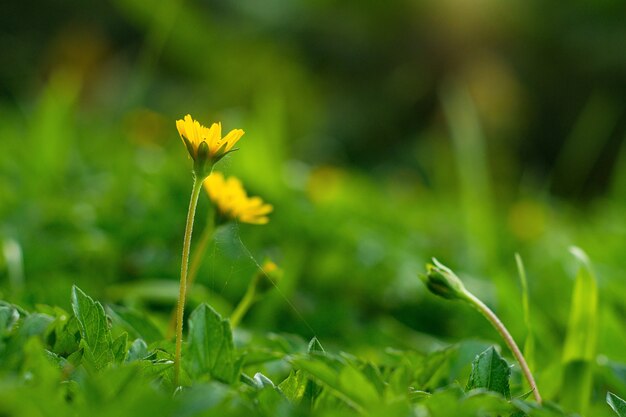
(441, 281)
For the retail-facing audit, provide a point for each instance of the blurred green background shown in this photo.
(384, 133)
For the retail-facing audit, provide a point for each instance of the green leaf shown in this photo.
(356, 386)
(344, 380)
(315, 346)
(491, 372)
(34, 324)
(119, 347)
(64, 334)
(38, 363)
(321, 371)
(8, 317)
(617, 404)
(312, 390)
(136, 323)
(12, 353)
(270, 399)
(374, 376)
(432, 366)
(293, 386)
(94, 329)
(529, 344)
(211, 347)
(138, 350)
(580, 343)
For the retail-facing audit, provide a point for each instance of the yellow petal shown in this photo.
(213, 136)
(232, 138)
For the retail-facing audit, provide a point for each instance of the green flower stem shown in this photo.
(194, 264)
(200, 250)
(244, 305)
(180, 308)
(508, 339)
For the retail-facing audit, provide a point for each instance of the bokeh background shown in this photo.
(384, 133)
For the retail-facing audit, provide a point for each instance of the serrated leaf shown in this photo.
(491, 372)
(211, 348)
(616, 403)
(94, 329)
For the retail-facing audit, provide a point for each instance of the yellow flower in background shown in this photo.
(232, 202)
(206, 145)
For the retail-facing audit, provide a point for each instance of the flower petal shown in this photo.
(232, 138)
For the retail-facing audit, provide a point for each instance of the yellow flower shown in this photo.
(268, 277)
(206, 145)
(232, 202)
(269, 267)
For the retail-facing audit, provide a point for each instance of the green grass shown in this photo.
(110, 219)
(370, 178)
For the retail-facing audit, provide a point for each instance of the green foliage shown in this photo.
(96, 340)
(617, 404)
(115, 376)
(135, 322)
(529, 343)
(374, 159)
(491, 372)
(580, 344)
(210, 347)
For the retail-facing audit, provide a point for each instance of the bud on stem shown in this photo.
(441, 281)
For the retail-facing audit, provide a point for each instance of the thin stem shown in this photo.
(200, 250)
(508, 339)
(180, 308)
(194, 265)
(244, 305)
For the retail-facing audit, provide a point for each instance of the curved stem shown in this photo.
(244, 305)
(508, 339)
(180, 308)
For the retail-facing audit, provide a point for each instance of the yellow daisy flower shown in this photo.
(232, 202)
(206, 145)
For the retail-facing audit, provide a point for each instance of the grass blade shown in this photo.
(580, 344)
(529, 344)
